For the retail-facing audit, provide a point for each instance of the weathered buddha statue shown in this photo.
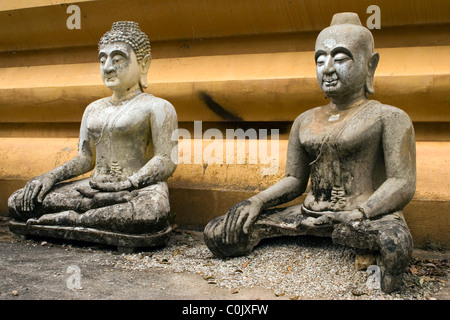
(126, 140)
(357, 153)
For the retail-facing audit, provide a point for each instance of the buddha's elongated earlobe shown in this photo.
(373, 63)
(144, 65)
(143, 81)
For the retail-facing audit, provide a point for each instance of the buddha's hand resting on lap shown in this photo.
(111, 186)
(240, 218)
(106, 198)
(35, 190)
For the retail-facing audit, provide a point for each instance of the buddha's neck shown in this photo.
(349, 102)
(123, 95)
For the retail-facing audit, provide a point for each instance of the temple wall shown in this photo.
(231, 64)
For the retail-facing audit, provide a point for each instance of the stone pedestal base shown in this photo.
(126, 243)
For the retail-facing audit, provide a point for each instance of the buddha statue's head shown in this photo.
(124, 54)
(345, 58)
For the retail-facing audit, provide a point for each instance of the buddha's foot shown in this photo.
(65, 218)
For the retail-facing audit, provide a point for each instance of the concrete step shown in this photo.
(239, 87)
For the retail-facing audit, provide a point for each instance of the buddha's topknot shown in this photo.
(130, 33)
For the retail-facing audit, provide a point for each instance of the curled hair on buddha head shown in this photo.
(130, 33)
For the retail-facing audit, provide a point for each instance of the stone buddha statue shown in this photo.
(358, 156)
(126, 140)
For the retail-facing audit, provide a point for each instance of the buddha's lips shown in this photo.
(110, 77)
(330, 83)
(330, 80)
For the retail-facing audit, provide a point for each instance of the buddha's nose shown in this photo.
(108, 66)
(329, 66)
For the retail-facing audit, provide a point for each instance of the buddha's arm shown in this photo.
(83, 162)
(79, 165)
(39, 186)
(242, 216)
(297, 173)
(163, 123)
(400, 161)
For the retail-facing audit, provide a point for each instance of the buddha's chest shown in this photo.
(342, 136)
(118, 120)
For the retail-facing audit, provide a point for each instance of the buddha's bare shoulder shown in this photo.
(388, 112)
(308, 115)
(157, 104)
(97, 105)
(151, 99)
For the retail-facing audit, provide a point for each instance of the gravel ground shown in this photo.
(293, 267)
(283, 268)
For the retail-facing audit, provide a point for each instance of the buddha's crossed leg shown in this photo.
(388, 235)
(75, 204)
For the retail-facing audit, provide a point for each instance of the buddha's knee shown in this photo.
(395, 255)
(151, 207)
(149, 216)
(395, 245)
(215, 236)
(212, 235)
(396, 251)
(15, 211)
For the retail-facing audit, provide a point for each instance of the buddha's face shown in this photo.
(119, 67)
(342, 58)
